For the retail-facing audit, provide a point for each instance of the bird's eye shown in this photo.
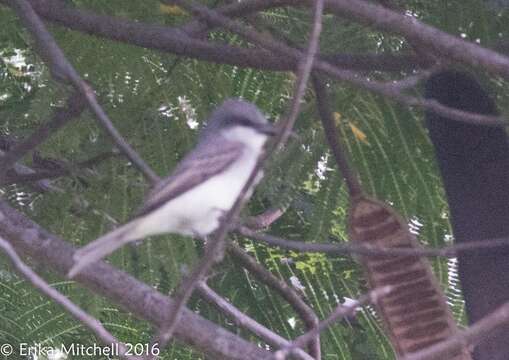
(242, 121)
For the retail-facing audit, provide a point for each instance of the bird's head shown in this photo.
(239, 120)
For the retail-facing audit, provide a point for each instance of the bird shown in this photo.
(203, 186)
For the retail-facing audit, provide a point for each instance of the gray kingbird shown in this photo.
(203, 186)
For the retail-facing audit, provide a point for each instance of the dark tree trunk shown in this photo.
(474, 162)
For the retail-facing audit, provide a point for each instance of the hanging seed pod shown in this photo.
(415, 313)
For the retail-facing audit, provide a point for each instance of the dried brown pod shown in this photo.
(415, 313)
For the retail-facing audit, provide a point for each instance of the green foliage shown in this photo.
(153, 98)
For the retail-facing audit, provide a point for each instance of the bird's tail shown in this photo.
(103, 246)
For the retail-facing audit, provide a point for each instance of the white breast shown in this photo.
(198, 211)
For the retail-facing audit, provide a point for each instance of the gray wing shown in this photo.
(205, 161)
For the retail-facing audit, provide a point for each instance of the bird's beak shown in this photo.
(267, 129)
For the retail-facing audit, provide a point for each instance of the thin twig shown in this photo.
(41, 185)
(346, 248)
(265, 219)
(304, 69)
(385, 89)
(213, 252)
(245, 321)
(339, 313)
(119, 141)
(92, 323)
(377, 62)
(35, 176)
(215, 247)
(56, 173)
(75, 105)
(62, 70)
(305, 312)
(444, 45)
(235, 9)
(335, 143)
(303, 74)
(96, 160)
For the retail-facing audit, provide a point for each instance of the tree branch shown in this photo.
(74, 107)
(29, 239)
(444, 45)
(157, 37)
(305, 312)
(245, 321)
(56, 173)
(389, 90)
(345, 248)
(20, 170)
(339, 313)
(93, 324)
(322, 103)
(62, 70)
(177, 40)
